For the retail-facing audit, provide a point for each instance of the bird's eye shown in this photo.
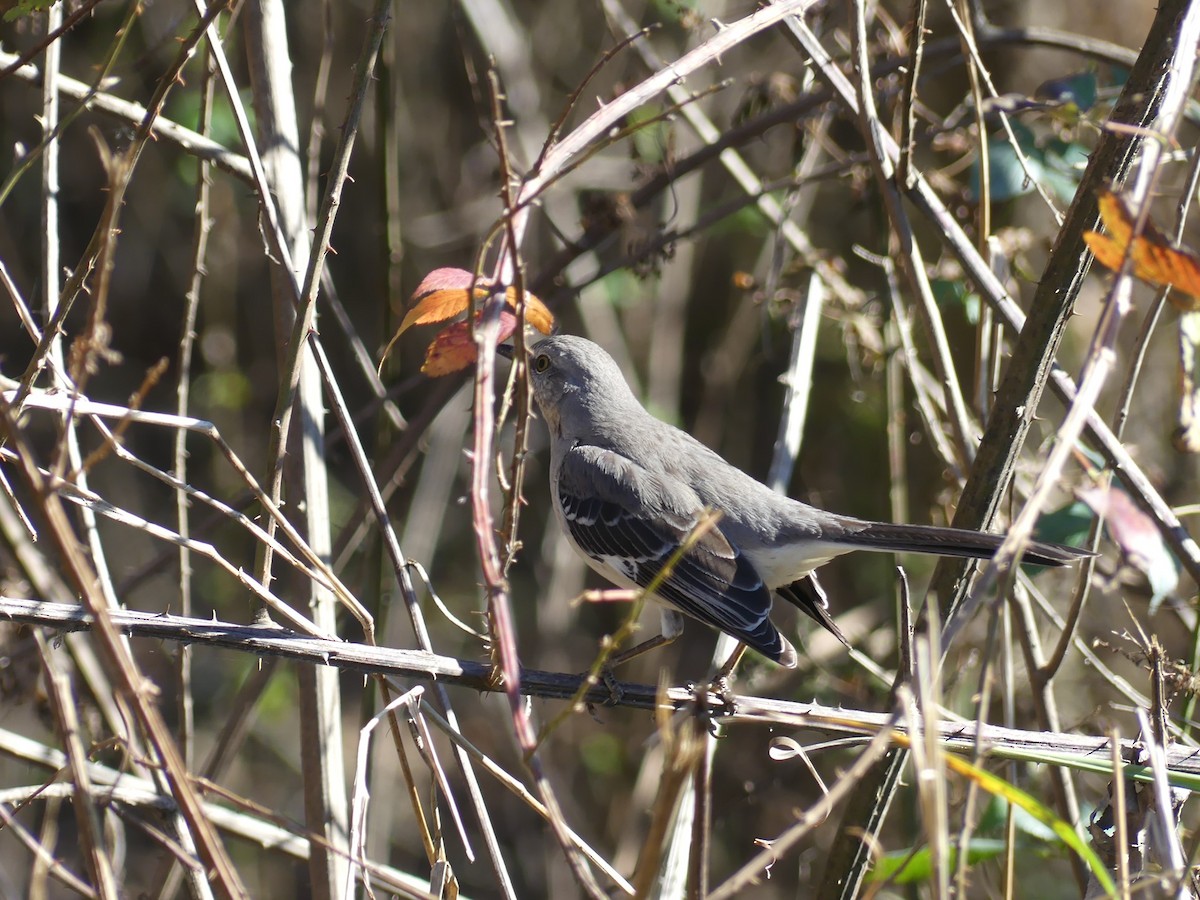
(541, 363)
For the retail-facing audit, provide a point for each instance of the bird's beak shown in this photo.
(505, 350)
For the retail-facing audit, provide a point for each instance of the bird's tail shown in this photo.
(808, 596)
(949, 542)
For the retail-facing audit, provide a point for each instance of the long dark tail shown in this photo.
(808, 595)
(949, 542)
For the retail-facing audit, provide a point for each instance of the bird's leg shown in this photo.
(672, 628)
(720, 682)
(606, 673)
(653, 643)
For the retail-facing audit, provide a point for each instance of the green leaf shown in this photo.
(622, 289)
(23, 8)
(1007, 174)
(1063, 164)
(651, 139)
(1070, 524)
(748, 220)
(956, 294)
(184, 106)
(995, 819)
(908, 867)
(1038, 810)
(1078, 90)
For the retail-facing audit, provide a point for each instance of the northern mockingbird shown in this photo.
(629, 490)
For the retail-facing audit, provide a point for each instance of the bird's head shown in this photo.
(576, 384)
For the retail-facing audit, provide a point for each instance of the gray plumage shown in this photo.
(628, 489)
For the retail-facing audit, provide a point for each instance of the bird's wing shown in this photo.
(635, 522)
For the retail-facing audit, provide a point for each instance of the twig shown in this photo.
(1167, 845)
(519, 790)
(909, 252)
(187, 342)
(750, 183)
(408, 594)
(499, 608)
(814, 816)
(121, 666)
(321, 570)
(1102, 355)
(358, 822)
(122, 788)
(44, 857)
(87, 816)
(1083, 752)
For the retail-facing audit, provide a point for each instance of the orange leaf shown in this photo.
(1154, 259)
(1107, 251)
(436, 307)
(536, 312)
(1115, 216)
(441, 295)
(453, 349)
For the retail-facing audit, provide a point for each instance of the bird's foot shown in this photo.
(718, 687)
(702, 708)
(615, 692)
(721, 687)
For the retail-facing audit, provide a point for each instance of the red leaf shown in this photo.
(442, 295)
(454, 349)
(444, 279)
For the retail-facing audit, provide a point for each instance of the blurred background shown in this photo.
(678, 275)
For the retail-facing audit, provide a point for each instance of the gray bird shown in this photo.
(629, 490)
